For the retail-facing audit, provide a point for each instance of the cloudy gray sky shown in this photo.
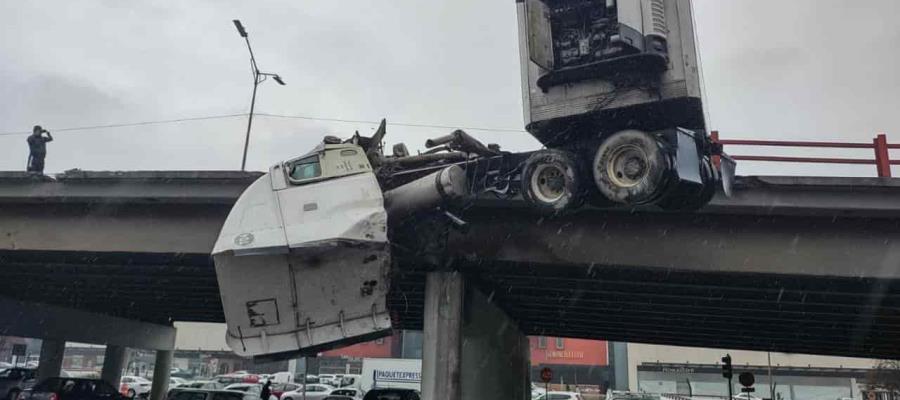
(799, 69)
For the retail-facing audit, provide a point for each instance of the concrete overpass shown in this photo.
(788, 264)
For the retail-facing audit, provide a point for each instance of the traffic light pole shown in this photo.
(730, 388)
(727, 372)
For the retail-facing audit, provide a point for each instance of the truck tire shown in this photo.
(551, 181)
(630, 168)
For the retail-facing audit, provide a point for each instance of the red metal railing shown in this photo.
(879, 145)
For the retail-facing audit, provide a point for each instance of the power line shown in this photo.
(303, 117)
(409, 124)
(127, 124)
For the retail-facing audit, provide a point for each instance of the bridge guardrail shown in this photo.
(879, 145)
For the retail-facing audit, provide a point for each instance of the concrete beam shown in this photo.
(811, 246)
(113, 361)
(799, 195)
(136, 187)
(51, 358)
(130, 228)
(53, 323)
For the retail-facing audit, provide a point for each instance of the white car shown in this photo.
(134, 386)
(328, 379)
(175, 381)
(560, 396)
(357, 394)
(746, 396)
(252, 389)
(314, 391)
(351, 380)
(537, 391)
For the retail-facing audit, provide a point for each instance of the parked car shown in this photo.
(338, 378)
(310, 378)
(537, 391)
(314, 391)
(280, 388)
(180, 373)
(134, 386)
(207, 385)
(14, 380)
(560, 396)
(392, 394)
(176, 381)
(351, 380)
(252, 389)
(71, 389)
(328, 379)
(207, 394)
(353, 393)
(237, 377)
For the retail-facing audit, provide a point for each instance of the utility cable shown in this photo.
(409, 124)
(303, 117)
(127, 124)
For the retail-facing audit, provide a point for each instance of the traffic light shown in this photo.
(726, 366)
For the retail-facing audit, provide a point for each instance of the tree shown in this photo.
(885, 376)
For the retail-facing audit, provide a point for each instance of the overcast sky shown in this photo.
(798, 69)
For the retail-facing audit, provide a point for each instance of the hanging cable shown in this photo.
(127, 124)
(409, 124)
(269, 115)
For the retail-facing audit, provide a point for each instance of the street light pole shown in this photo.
(250, 120)
(258, 77)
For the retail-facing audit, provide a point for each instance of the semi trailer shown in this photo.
(611, 88)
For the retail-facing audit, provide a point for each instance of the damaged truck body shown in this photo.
(610, 87)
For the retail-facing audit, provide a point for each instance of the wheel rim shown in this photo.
(628, 166)
(548, 183)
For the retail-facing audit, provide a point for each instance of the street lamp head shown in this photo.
(278, 79)
(240, 28)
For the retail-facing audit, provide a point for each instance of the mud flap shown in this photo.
(729, 169)
(687, 158)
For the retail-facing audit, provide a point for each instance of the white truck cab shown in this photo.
(313, 228)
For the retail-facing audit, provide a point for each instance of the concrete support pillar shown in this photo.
(161, 370)
(471, 349)
(441, 348)
(113, 361)
(51, 359)
(493, 342)
(618, 360)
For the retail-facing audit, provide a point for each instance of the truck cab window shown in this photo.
(306, 168)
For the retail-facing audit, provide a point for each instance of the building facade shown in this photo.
(698, 371)
(573, 361)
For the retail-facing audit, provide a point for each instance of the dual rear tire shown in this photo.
(629, 168)
(552, 181)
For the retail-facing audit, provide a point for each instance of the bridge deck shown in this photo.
(788, 264)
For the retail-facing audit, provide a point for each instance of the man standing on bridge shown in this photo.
(37, 146)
